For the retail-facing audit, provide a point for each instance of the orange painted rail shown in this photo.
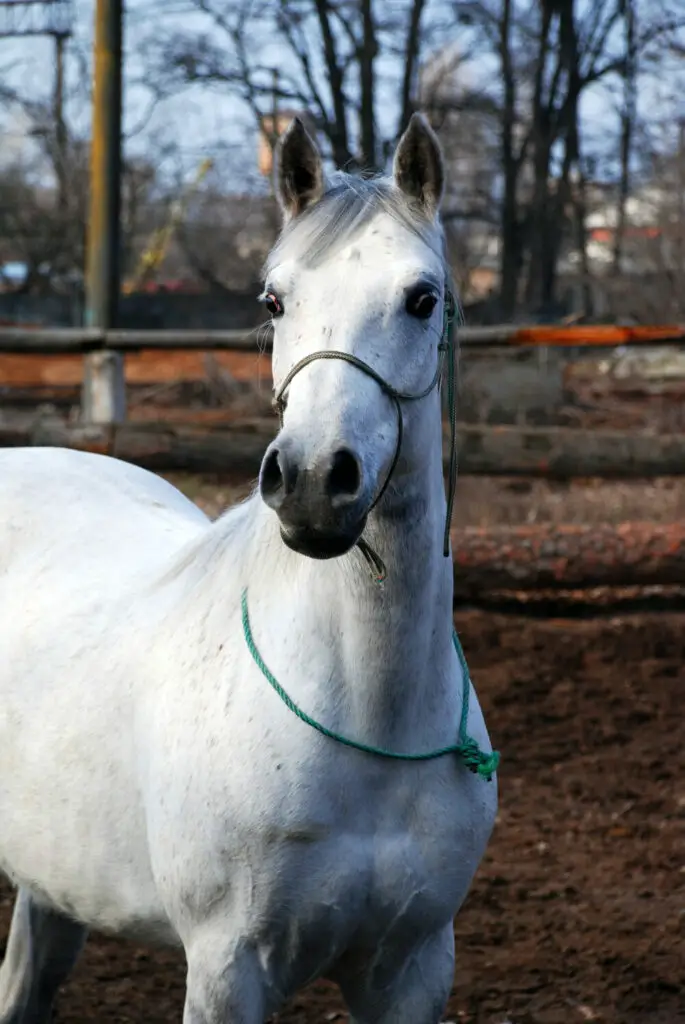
(605, 335)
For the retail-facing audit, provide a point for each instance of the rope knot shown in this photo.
(477, 761)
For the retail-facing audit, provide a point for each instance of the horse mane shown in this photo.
(200, 554)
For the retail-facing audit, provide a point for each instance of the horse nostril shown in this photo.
(278, 477)
(271, 479)
(345, 477)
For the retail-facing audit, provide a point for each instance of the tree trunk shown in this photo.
(337, 131)
(628, 118)
(411, 56)
(367, 55)
(510, 252)
(542, 138)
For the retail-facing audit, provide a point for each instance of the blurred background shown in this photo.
(563, 125)
(130, 256)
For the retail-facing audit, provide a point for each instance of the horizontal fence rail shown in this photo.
(553, 558)
(552, 453)
(562, 556)
(74, 340)
(560, 453)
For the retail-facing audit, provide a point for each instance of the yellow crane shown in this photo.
(153, 255)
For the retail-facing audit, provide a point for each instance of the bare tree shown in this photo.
(325, 57)
(43, 225)
(251, 222)
(44, 203)
(465, 120)
(549, 55)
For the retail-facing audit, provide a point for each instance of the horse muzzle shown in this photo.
(322, 504)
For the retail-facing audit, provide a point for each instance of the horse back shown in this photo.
(62, 507)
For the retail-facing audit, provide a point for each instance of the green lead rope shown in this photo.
(466, 749)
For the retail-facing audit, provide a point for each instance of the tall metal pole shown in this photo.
(104, 395)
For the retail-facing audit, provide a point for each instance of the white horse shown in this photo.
(154, 780)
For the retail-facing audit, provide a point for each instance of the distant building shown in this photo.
(647, 230)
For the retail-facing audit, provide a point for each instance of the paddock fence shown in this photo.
(523, 559)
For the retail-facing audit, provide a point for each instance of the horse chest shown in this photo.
(311, 847)
(378, 867)
(388, 850)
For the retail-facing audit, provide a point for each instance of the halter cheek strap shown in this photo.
(445, 349)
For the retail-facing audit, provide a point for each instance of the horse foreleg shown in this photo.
(417, 994)
(225, 983)
(42, 948)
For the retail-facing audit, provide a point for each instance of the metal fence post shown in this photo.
(103, 397)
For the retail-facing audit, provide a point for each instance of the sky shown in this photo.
(199, 123)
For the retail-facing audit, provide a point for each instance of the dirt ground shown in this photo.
(578, 911)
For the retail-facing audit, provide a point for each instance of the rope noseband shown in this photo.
(445, 349)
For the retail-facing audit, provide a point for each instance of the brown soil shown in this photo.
(578, 912)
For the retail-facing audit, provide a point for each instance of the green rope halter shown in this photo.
(467, 749)
(446, 350)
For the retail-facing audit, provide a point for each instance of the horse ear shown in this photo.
(418, 166)
(300, 170)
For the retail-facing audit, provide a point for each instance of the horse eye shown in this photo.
(421, 303)
(273, 304)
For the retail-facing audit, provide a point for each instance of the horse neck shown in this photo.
(369, 658)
